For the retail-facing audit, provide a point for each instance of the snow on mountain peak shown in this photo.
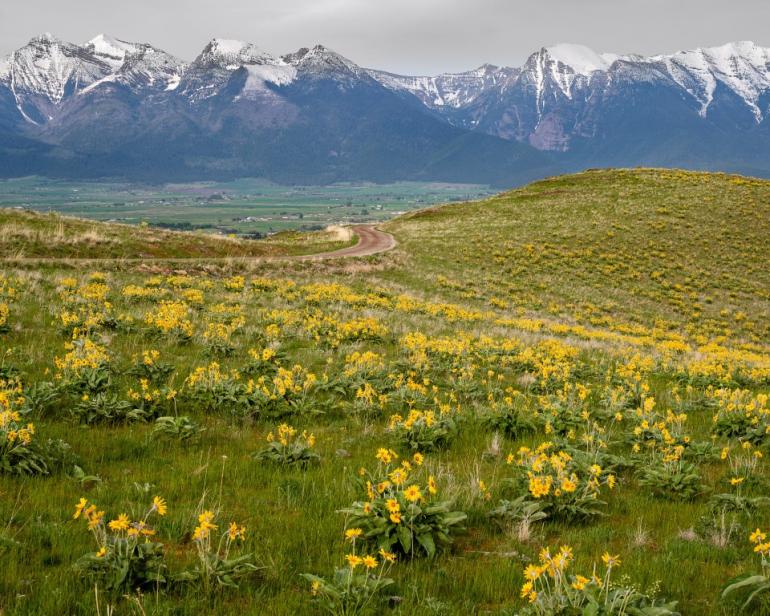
(5, 68)
(231, 55)
(113, 51)
(743, 67)
(228, 45)
(110, 47)
(214, 67)
(723, 58)
(46, 37)
(739, 49)
(55, 69)
(448, 90)
(50, 67)
(563, 65)
(581, 59)
(136, 65)
(322, 60)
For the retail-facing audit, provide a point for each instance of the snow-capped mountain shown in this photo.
(743, 68)
(111, 50)
(230, 55)
(112, 107)
(321, 62)
(42, 75)
(554, 96)
(451, 90)
(213, 69)
(221, 60)
(137, 65)
(45, 71)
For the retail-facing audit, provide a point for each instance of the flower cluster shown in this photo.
(288, 446)
(12, 429)
(127, 555)
(170, 318)
(550, 589)
(566, 488)
(4, 313)
(356, 586)
(742, 415)
(82, 354)
(402, 513)
(425, 430)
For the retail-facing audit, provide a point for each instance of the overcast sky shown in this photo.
(407, 36)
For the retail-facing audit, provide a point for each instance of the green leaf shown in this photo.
(404, 537)
(590, 610)
(426, 541)
(744, 583)
(454, 517)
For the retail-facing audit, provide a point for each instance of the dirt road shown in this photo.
(371, 241)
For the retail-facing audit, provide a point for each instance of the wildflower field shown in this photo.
(554, 401)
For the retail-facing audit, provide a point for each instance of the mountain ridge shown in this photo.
(112, 107)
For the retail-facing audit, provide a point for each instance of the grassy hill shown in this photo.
(673, 249)
(583, 362)
(25, 234)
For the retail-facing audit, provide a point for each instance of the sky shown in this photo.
(403, 36)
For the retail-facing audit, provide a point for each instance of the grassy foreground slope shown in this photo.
(674, 249)
(25, 234)
(576, 341)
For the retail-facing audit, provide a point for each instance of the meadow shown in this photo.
(552, 401)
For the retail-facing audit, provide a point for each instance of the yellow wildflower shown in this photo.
(353, 560)
(412, 493)
(120, 524)
(79, 508)
(159, 505)
(353, 533)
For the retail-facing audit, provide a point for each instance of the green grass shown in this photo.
(682, 250)
(470, 274)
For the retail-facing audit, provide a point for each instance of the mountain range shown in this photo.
(110, 108)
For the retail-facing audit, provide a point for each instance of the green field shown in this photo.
(243, 206)
(583, 365)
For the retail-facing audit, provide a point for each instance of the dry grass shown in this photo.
(30, 235)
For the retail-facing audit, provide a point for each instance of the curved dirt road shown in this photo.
(371, 241)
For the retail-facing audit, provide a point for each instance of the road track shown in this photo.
(371, 241)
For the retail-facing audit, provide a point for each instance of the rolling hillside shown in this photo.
(663, 248)
(570, 378)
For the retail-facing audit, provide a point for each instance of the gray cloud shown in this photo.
(407, 36)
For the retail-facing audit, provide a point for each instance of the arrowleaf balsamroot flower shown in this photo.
(159, 506)
(549, 588)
